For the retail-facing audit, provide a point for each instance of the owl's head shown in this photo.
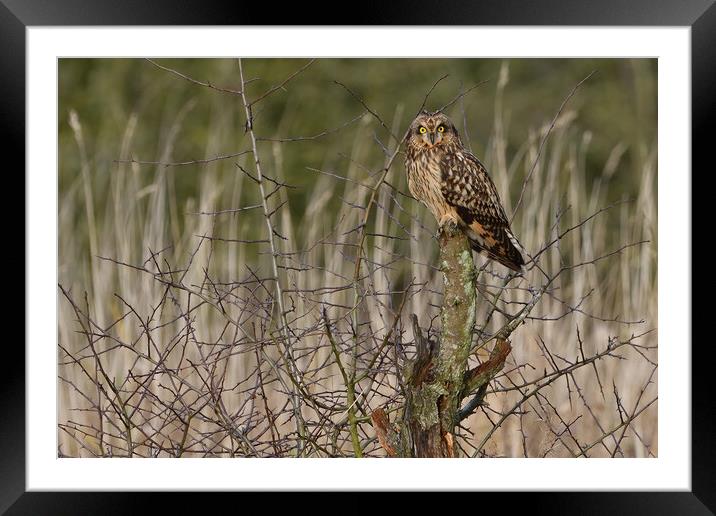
(429, 130)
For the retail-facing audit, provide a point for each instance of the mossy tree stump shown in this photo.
(434, 381)
(437, 380)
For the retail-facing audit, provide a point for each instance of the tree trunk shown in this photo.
(435, 380)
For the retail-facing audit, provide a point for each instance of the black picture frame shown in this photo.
(17, 15)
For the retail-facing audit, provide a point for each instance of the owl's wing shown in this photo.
(466, 186)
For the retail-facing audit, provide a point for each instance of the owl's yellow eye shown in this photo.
(441, 129)
(422, 130)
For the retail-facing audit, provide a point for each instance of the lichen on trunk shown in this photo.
(437, 379)
(433, 400)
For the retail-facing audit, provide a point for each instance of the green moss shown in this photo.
(425, 404)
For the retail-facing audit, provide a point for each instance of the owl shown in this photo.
(455, 187)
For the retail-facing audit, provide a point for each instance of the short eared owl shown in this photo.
(454, 185)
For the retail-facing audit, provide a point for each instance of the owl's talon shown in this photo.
(448, 225)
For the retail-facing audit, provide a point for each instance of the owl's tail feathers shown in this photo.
(505, 250)
(516, 250)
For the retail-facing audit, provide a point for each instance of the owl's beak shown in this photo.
(432, 138)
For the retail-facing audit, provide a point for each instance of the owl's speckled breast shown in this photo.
(424, 179)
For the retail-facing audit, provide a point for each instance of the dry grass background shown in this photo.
(135, 210)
